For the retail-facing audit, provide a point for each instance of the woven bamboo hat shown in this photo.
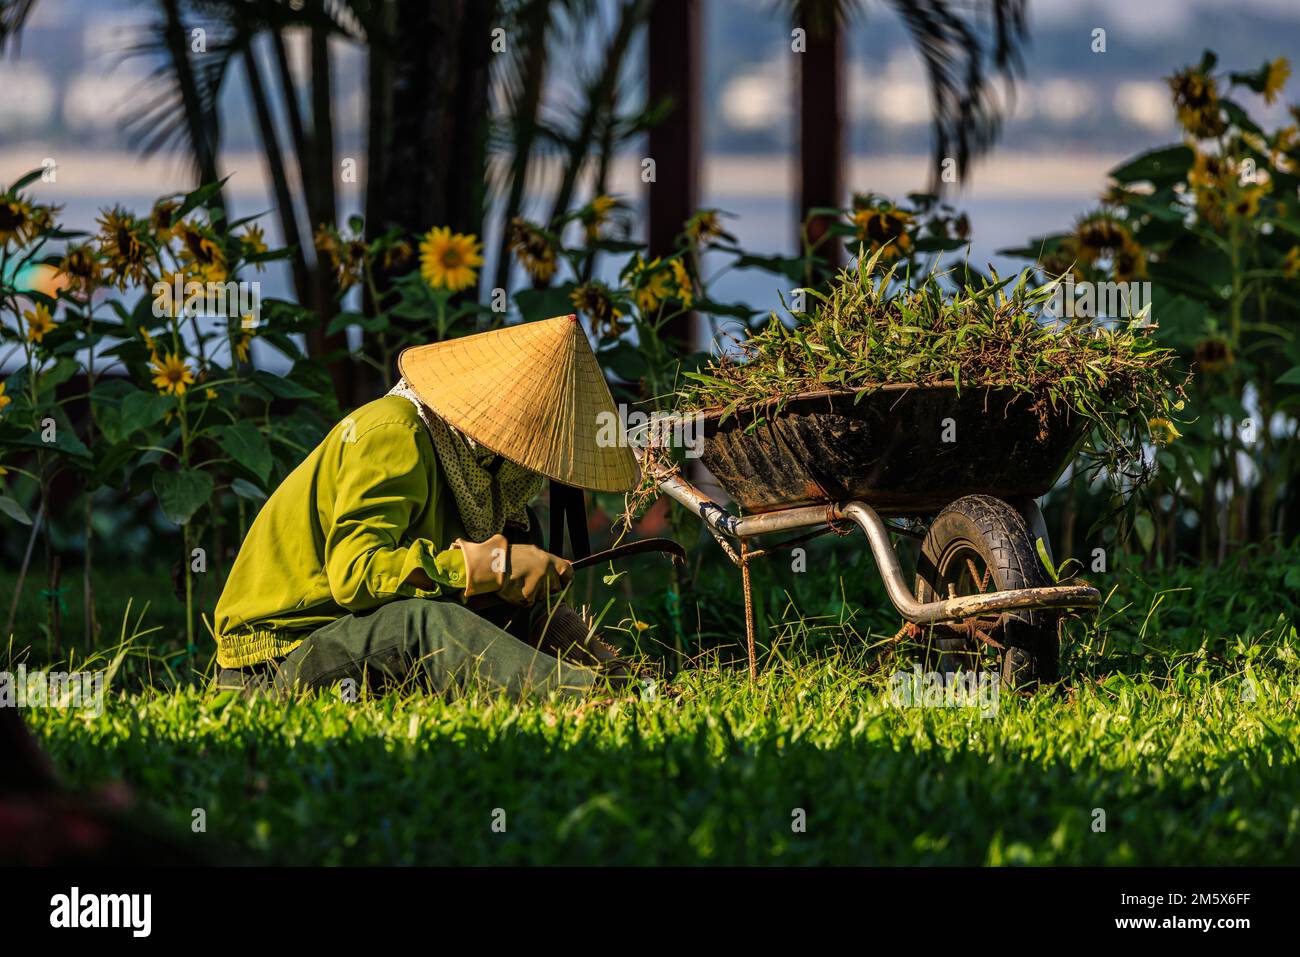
(533, 393)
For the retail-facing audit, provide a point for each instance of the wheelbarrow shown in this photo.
(960, 470)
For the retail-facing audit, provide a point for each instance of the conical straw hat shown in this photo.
(533, 393)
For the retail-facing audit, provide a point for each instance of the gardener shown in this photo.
(397, 551)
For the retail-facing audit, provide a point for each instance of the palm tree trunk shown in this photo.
(279, 177)
(200, 126)
(821, 126)
(673, 76)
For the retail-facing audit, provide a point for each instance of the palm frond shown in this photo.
(961, 50)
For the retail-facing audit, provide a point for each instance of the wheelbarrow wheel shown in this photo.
(980, 544)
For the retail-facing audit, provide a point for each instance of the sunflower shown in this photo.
(1275, 77)
(15, 220)
(705, 226)
(123, 246)
(884, 227)
(1214, 354)
(532, 248)
(253, 243)
(1163, 431)
(4, 400)
(171, 375)
(1129, 262)
(597, 214)
(395, 256)
(203, 253)
(650, 283)
(81, 266)
(160, 219)
(593, 299)
(242, 346)
(39, 322)
(448, 260)
(1098, 234)
(1291, 263)
(1196, 101)
(683, 279)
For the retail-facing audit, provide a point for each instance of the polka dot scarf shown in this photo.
(489, 489)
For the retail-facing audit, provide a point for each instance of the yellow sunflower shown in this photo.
(1163, 431)
(242, 345)
(597, 214)
(884, 227)
(1291, 264)
(448, 260)
(171, 375)
(704, 226)
(683, 280)
(1275, 78)
(39, 322)
(4, 399)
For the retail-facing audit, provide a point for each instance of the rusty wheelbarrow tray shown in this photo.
(825, 460)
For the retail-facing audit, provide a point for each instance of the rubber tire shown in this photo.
(999, 534)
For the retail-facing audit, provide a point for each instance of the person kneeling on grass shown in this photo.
(398, 549)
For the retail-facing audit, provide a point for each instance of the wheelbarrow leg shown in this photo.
(749, 610)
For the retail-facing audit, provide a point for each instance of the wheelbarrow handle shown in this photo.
(665, 545)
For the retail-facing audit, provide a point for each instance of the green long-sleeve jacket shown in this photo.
(343, 533)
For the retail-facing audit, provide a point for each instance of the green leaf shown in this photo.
(1041, 547)
(1145, 530)
(140, 410)
(197, 198)
(246, 489)
(245, 443)
(282, 388)
(15, 511)
(181, 494)
(1167, 165)
(1290, 377)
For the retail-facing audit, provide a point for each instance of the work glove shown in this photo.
(520, 574)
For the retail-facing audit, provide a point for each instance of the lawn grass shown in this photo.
(1177, 719)
(1195, 768)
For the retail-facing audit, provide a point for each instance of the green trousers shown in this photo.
(438, 647)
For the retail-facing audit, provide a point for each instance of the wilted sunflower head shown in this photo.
(1099, 234)
(1196, 101)
(1129, 262)
(160, 218)
(532, 248)
(1214, 354)
(15, 219)
(704, 227)
(594, 300)
(81, 266)
(123, 245)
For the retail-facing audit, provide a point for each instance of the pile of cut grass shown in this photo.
(866, 332)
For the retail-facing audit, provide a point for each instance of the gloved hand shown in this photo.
(519, 573)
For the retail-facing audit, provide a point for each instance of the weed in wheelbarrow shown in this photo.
(873, 328)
